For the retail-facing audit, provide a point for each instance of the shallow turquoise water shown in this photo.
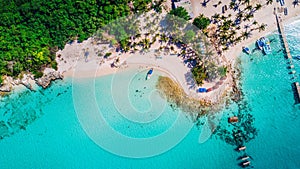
(46, 130)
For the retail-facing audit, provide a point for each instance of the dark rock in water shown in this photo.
(22, 127)
(136, 90)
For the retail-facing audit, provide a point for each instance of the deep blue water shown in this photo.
(61, 127)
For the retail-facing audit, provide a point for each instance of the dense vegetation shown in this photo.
(180, 12)
(199, 74)
(31, 31)
(201, 22)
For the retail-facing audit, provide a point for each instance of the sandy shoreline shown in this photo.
(172, 65)
(265, 15)
(234, 52)
(82, 60)
(72, 62)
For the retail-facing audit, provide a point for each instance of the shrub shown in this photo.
(222, 70)
(54, 65)
(38, 74)
(201, 22)
(107, 55)
(199, 74)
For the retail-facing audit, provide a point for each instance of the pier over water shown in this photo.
(282, 34)
(295, 85)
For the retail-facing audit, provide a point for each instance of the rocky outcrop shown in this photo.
(49, 75)
(27, 81)
(6, 85)
(5, 88)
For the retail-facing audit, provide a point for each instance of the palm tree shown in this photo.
(223, 17)
(269, 2)
(238, 39)
(248, 7)
(262, 27)
(231, 5)
(248, 17)
(216, 16)
(295, 2)
(258, 7)
(246, 35)
(138, 35)
(247, 26)
(254, 22)
(146, 43)
(240, 15)
(163, 38)
(246, 2)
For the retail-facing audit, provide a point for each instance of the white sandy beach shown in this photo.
(77, 67)
(265, 15)
(72, 57)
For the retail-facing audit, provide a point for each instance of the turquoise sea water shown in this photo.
(60, 127)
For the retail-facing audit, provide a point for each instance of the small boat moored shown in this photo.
(247, 50)
(241, 148)
(202, 90)
(267, 48)
(233, 119)
(246, 163)
(260, 43)
(149, 74)
(245, 158)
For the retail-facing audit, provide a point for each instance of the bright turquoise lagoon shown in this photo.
(46, 130)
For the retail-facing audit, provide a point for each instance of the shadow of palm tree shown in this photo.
(190, 80)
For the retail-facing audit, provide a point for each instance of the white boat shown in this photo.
(242, 148)
(244, 158)
(246, 163)
(267, 48)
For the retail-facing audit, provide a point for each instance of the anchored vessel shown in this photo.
(242, 148)
(244, 158)
(233, 119)
(263, 44)
(267, 47)
(246, 50)
(246, 163)
(202, 90)
(149, 74)
(260, 44)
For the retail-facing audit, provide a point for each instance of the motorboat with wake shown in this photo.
(149, 74)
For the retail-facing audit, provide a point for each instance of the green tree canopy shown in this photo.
(189, 36)
(199, 74)
(201, 22)
(31, 31)
(180, 12)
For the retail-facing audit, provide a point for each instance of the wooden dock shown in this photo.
(297, 92)
(295, 85)
(281, 32)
